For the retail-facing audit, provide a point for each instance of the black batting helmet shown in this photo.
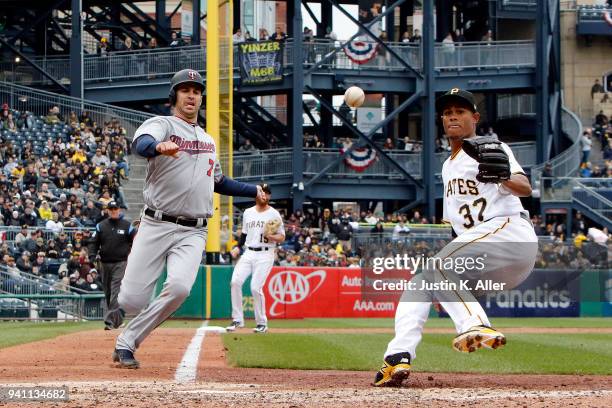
(185, 76)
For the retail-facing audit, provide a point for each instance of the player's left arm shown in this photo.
(518, 184)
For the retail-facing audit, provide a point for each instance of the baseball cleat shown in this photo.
(261, 328)
(125, 358)
(395, 369)
(479, 337)
(235, 325)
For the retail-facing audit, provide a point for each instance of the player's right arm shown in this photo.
(518, 184)
(150, 139)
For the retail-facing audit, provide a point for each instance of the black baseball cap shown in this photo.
(266, 188)
(112, 204)
(457, 95)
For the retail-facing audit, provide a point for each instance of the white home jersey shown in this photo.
(253, 226)
(181, 186)
(467, 201)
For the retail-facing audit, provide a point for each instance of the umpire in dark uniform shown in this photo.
(113, 239)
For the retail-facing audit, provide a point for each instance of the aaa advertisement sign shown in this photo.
(297, 292)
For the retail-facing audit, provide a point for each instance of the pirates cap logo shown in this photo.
(192, 75)
(454, 91)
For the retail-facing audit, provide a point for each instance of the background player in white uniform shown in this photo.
(257, 259)
(182, 174)
(480, 213)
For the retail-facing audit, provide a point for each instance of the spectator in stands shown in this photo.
(401, 229)
(309, 54)
(601, 119)
(10, 124)
(406, 37)
(607, 150)
(448, 50)
(14, 220)
(278, 35)
(263, 34)
(388, 144)
(586, 143)
(28, 217)
(24, 264)
(238, 37)
(53, 116)
(175, 40)
(416, 37)
(596, 88)
(344, 232)
(491, 133)
(378, 228)
(103, 47)
(41, 264)
(54, 225)
(99, 159)
(459, 37)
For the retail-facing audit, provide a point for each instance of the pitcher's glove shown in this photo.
(494, 164)
(271, 227)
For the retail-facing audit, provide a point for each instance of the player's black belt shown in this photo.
(259, 248)
(186, 222)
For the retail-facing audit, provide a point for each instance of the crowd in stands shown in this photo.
(57, 172)
(329, 239)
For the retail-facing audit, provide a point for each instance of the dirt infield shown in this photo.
(82, 362)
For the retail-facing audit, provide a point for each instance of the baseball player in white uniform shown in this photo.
(183, 172)
(481, 203)
(257, 261)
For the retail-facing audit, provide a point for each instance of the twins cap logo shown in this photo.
(191, 75)
(291, 287)
(454, 91)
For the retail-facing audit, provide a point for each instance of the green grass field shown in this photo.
(525, 353)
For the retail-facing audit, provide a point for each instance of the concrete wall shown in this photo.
(581, 64)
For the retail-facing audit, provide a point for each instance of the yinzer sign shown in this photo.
(261, 62)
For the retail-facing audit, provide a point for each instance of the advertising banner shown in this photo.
(297, 292)
(261, 62)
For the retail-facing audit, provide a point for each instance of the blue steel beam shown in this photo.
(366, 138)
(297, 118)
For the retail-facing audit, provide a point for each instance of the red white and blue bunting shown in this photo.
(360, 51)
(360, 158)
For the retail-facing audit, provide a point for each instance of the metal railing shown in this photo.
(275, 163)
(9, 232)
(509, 106)
(592, 13)
(589, 197)
(51, 307)
(38, 102)
(518, 4)
(567, 163)
(583, 191)
(149, 64)
(514, 54)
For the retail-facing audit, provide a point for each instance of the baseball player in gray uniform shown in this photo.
(183, 173)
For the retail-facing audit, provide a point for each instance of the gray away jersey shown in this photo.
(182, 186)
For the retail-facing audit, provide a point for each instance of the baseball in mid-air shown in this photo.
(354, 97)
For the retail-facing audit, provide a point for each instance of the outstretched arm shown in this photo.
(230, 187)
